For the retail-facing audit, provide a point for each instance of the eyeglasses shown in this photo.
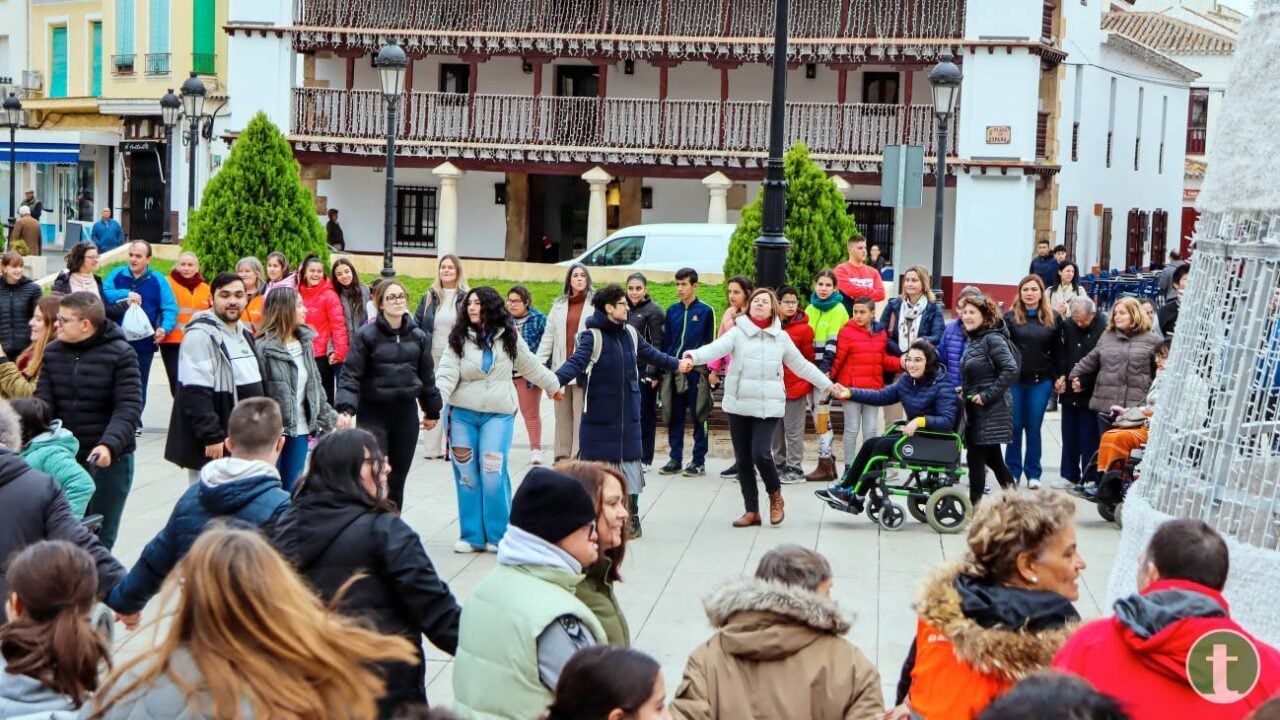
(790, 303)
(394, 298)
(60, 320)
(515, 301)
(591, 528)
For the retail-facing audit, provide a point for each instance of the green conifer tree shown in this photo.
(256, 204)
(817, 224)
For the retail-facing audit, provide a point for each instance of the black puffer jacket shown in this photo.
(387, 364)
(94, 387)
(649, 320)
(1037, 344)
(330, 537)
(17, 305)
(33, 508)
(988, 368)
(1074, 344)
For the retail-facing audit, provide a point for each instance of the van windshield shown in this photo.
(618, 251)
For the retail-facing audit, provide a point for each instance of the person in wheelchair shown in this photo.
(1128, 432)
(929, 401)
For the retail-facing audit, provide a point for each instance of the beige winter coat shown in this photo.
(463, 383)
(1122, 364)
(754, 386)
(777, 653)
(552, 345)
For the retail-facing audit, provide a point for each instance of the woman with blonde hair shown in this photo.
(249, 639)
(999, 614)
(254, 277)
(1120, 362)
(438, 311)
(1035, 329)
(18, 378)
(913, 315)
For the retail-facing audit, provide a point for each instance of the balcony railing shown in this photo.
(908, 19)
(707, 128)
(157, 63)
(1196, 140)
(204, 63)
(123, 64)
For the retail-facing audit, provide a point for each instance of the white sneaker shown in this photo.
(1061, 484)
(1033, 483)
(535, 456)
(490, 548)
(462, 547)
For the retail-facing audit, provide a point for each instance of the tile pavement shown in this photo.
(688, 549)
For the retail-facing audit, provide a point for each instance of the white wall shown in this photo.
(1002, 19)
(993, 228)
(999, 89)
(359, 192)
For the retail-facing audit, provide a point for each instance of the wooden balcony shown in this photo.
(611, 130)
(1196, 140)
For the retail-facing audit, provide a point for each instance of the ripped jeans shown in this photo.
(480, 442)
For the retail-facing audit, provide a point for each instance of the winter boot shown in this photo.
(825, 472)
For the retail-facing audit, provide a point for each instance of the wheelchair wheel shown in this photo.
(1107, 511)
(891, 516)
(948, 510)
(916, 506)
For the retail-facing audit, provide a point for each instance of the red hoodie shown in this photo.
(858, 280)
(862, 357)
(1148, 675)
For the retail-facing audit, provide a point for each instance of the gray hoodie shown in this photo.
(25, 698)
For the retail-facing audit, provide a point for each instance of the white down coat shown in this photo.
(463, 383)
(754, 386)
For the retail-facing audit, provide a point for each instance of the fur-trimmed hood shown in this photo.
(761, 620)
(978, 619)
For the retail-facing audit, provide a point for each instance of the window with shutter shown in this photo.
(204, 34)
(58, 62)
(123, 58)
(95, 83)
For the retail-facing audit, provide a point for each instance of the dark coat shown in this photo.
(650, 321)
(1166, 317)
(989, 367)
(1037, 344)
(330, 537)
(252, 500)
(610, 429)
(1074, 344)
(934, 399)
(388, 364)
(931, 324)
(94, 387)
(33, 508)
(17, 305)
(951, 350)
(1046, 268)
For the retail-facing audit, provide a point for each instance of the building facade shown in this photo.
(519, 110)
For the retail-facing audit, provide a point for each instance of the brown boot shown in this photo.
(825, 472)
(777, 508)
(748, 519)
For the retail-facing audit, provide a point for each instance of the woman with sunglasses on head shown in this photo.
(341, 526)
(388, 377)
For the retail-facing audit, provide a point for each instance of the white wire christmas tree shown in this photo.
(1214, 450)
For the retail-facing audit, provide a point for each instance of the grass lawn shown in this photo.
(543, 292)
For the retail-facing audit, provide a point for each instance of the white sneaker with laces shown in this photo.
(490, 548)
(462, 547)
(1061, 484)
(535, 456)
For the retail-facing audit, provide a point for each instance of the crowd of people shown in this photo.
(291, 585)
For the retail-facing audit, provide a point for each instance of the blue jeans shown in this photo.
(293, 458)
(1029, 403)
(680, 403)
(111, 490)
(1080, 438)
(479, 442)
(146, 350)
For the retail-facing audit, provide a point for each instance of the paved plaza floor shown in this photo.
(688, 549)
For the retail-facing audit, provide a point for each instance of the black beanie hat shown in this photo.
(551, 505)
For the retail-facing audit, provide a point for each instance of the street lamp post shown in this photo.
(13, 118)
(193, 105)
(170, 111)
(391, 66)
(772, 245)
(945, 80)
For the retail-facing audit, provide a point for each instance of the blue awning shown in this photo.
(47, 153)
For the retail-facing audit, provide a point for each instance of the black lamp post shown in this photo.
(170, 112)
(193, 106)
(391, 65)
(945, 79)
(13, 118)
(772, 245)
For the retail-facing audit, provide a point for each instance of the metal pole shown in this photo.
(13, 178)
(191, 166)
(166, 236)
(939, 186)
(388, 223)
(772, 246)
(899, 213)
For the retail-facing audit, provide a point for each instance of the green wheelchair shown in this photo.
(927, 471)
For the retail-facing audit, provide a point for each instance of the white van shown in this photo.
(669, 246)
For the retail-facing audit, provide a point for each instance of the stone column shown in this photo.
(447, 214)
(597, 219)
(717, 185)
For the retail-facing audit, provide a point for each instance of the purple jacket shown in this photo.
(951, 349)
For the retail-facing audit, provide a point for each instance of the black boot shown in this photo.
(634, 531)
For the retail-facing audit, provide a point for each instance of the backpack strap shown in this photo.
(596, 349)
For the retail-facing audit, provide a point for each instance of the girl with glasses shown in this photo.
(531, 323)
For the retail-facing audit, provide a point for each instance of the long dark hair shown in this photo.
(335, 468)
(350, 295)
(603, 678)
(932, 361)
(569, 274)
(1075, 278)
(52, 641)
(302, 271)
(493, 317)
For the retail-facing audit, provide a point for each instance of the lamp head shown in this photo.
(193, 96)
(12, 111)
(391, 65)
(170, 108)
(945, 79)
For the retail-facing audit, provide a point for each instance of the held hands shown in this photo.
(713, 379)
(685, 366)
(557, 395)
(429, 424)
(840, 392)
(333, 359)
(1060, 385)
(1076, 385)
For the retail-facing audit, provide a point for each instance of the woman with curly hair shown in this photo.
(999, 614)
(474, 378)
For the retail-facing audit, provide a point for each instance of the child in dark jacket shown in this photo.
(928, 400)
(862, 359)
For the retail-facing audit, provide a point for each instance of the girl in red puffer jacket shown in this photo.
(324, 315)
(862, 359)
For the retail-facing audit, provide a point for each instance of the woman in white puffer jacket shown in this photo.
(755, 397)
